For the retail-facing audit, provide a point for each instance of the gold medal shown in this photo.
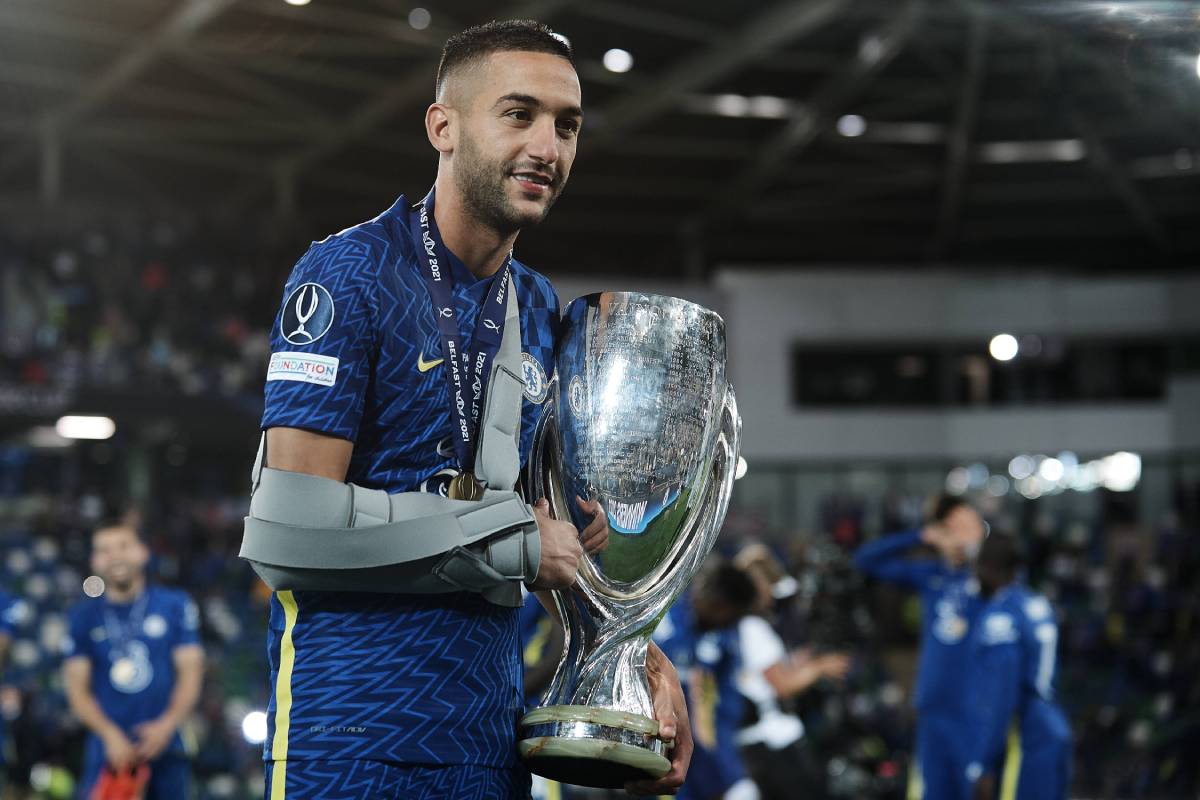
(465, 486)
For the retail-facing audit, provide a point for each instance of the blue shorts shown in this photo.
(170, 775)
(711, 773)
(941, 758)
(352, 779)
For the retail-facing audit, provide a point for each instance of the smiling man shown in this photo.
(396, 341)
(133, 669)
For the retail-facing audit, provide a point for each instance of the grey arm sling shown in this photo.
(310, 533)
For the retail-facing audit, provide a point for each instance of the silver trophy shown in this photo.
(641, 417)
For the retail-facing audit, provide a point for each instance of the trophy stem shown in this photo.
(640, 417)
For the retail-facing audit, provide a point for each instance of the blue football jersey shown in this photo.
(949, 605)
(708, 663)
(130, 647)
(356, 353)
(1013, 665)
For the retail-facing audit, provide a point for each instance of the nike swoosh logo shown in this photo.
(425, 366)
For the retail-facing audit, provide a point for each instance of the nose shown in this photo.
(543, 141)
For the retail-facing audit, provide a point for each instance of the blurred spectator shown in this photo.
(133, 669)
(699, 635)
(8, 626)
(771, 739)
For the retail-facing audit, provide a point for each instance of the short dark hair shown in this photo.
(945, 504)
(112, 520)
(1003, 552)
(519, 35)
(732, 585)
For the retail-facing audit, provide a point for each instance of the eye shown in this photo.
(520, 115)
(569, 127)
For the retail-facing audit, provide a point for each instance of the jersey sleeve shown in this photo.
(323, 340)
(887, 558)
(995, 683)
(79, 636)
(185, 625)
(760, 645)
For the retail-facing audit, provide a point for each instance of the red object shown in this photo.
(888, 769)
(128, 784)
(154, 276)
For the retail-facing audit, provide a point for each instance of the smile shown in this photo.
(532, 182)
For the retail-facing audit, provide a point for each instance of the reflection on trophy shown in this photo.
(640, 416)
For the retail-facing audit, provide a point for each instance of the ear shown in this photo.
(440, 127)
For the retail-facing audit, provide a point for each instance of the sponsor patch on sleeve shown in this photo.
(303, 367)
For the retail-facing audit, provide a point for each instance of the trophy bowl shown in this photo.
(640, 416)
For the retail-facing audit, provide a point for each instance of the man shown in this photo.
(1020, 742)
(949, 602)
(700, 634)
(380, 351)
(133, 669)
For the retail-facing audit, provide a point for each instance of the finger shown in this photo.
(595, 532)
(588, 506)
(598, 524)
(664, 712)
(597, 542)
(667, 784)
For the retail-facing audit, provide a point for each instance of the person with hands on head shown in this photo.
(133, 668)
(394, 359)
(950, 603)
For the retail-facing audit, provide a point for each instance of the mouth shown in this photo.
(535, 183)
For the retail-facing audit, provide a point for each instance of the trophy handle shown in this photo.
(545, 457)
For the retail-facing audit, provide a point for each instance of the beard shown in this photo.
(483, 185)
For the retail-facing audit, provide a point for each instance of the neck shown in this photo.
(128, 592)
(481, 247)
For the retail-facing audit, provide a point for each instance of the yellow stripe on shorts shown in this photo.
(1012, 766)
(916, 782)
(283, 697)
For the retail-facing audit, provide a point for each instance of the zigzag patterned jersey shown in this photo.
(433, 679)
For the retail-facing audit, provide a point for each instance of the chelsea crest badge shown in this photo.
(536, 383)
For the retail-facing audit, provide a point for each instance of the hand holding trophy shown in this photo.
(642, 419)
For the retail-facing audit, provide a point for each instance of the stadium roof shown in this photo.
(1062, 132)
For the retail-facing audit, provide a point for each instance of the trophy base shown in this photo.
(588, 746)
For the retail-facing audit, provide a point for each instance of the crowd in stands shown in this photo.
(162, 307)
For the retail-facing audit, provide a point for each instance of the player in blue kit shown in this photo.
(949, 604)
(133, 668)
(387, 360)
(1020, 739)
(700, 635)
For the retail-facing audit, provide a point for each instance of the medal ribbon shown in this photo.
(120, 634)
(465, 373)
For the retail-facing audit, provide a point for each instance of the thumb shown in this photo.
(666, 726)
(664, 712)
